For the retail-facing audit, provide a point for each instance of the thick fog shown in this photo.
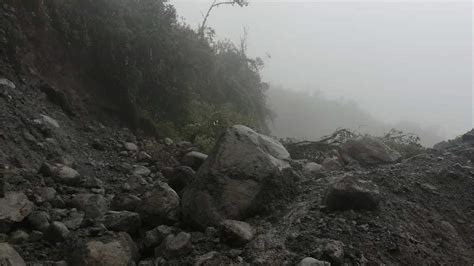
(399, 63)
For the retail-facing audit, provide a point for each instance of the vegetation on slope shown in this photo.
(165, 77)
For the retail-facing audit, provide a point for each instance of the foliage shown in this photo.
(407, 144)
(156, 68)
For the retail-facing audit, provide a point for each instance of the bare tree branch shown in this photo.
(217, 4)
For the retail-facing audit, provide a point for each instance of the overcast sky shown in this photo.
(399, 60)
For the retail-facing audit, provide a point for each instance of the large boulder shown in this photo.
(350, 192)
(9, 256)
(246, 173)
(368, 151)
(117, 250)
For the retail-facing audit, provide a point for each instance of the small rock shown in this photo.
(130, 146)
(236, 233)
(134, 182)
(159, 205)
(334, 252)
(39, 220)
(56, 232)
(175, 246)
(35, 236)
(62, 173)
(194, 159)
(8, 83)
(93, 205)
(181, 177)
(155, 236)
(67, 175)
(308, 261)
(29, 137)
(332, 164)
(350, 192)
(140, 170)
(14, 207)
(312, 167)
(122, 221)
(44, 194)
(125, 202)
(117, 250)
(429, 188)
(44, 119)
(9, 256)
(203, 259)
(18, 237)
(93, 182)
(98, 145)
(168, 141)
(144, 157)
(74, 220)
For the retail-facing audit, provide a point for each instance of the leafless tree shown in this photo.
(216, 3)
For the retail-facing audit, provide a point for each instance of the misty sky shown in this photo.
(404, 60)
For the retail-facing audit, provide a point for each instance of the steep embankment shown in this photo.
(134, 61)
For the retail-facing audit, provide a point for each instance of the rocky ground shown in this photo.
(80, 192)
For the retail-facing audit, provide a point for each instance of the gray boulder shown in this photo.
(334, 252)
(123, 221)
(14, 207)
(44, 194)
(159, 205)
(129, 146)
(236, 233)
(61, 173)
(125, 202)
(9, 256)
(117, 250)
(308, 261)
(140, 170)
(312, 168)
(56, 232)
(155, 236)
(93, 205)
(175, 246)
(18, 237)
(8, 83)
(47, 120)
(194, 159)
(39, 220)
(332, 164)
(246, 173)
(368, 151)
(180, 177)
(349, 192)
